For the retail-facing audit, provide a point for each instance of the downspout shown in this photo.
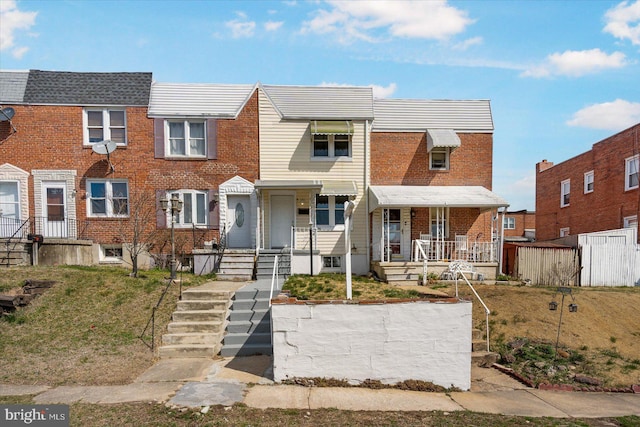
(366, 193)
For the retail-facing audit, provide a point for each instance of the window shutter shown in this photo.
(214, 210)
(161, 216)
(158, 131)
(212, 139)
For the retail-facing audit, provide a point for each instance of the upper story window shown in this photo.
(439, 158)
(185, 138)
(632, 166)
(331, 139)
(107, 198)
(588, 182)
(331, 146)
(105, 124)
(565, 190)
(509, 223)
(194, 208)
(330, 210)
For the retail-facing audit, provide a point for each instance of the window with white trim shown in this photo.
(332, 263)
(108, 124)
(194, 208)
(331, 146)
(107, 198)
(509, 223)
(631, 171)
(565, 190)
(111, 253)
(330, 211)
(631, 221)
(439, 158)
(588, 182)
(185, 138)
(564, 231)
(439, 222)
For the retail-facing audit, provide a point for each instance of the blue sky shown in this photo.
(561, 75)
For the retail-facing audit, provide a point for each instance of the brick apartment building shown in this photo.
(594, 191)
(519, 226)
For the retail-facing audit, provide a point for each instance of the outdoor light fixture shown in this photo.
(553, 306)
(173, 206)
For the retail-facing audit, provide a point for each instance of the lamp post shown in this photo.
(173, 206)
(553, 306)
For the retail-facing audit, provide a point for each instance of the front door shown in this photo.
(282, 219)
(239, 220)
(54, 210)
(393, 234)
(9, 208)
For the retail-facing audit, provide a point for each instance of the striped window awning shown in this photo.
(331, 127)
(442, 138)
(338, 188)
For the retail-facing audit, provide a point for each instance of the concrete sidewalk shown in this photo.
(206, 382)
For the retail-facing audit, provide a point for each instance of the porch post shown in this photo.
(501, 241)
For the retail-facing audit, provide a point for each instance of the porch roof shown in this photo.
(432, 196)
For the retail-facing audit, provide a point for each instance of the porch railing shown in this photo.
(450, 250)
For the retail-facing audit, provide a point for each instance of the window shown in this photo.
(632, 166)
(110, 253)
(104, 125)
(9, 208)
(330, 210)
(565, 189)
(185, 138)
(194, 208)
(509, 223)
(439, 158)
(439, 222)
(332, 262)
(588, 182)
(107, 198)
(331, 146)
(631, 221)
(564, 231)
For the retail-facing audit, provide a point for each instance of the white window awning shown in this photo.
(442, 138)
(339, 188)
(399, 196)
(331, 127)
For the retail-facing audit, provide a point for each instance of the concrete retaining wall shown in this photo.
(389, 342)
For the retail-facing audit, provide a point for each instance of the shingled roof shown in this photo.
(71, 88)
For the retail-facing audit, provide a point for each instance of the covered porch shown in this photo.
(425, 228)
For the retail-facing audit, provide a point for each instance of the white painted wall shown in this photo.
(390, 342)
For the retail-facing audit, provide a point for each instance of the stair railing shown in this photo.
(456, 270)
(152, 320)
(19, 232)
(274, 278)
(222, 245)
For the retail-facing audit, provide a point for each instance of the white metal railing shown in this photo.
(458, 269)
(445, 250)
(420, 253)
(274, 278)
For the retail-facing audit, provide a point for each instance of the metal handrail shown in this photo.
(222, 245)
(10, 239)
(152, 320)
(274, 278)
(456, 270)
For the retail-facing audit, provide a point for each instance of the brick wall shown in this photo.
(51, 137)
(524, 220)
(602, 209)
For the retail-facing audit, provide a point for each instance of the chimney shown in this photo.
(543, 166)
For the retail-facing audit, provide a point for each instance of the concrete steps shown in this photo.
(249, 329)
(197, 325)
(402, 272)
(264, 264)
(17, 253)
(479, 354)
(237, 265)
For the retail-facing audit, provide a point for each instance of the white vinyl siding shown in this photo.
(284, 155)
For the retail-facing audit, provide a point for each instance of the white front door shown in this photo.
(239, 220)
(9, 208)
(393, 234)
(282, 219)
(54, 206)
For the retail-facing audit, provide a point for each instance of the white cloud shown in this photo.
(359, 20)
(576, 63)
(623, 21)
(468, 43)
(241, 29)
(19, 52)
(378, 91)
(614, 116)
(272, 25)
(13, 20)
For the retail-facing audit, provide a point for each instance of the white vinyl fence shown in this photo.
(610, 265)
(548, 267)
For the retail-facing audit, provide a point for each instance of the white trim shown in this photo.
(108, 197)
(589, 178)
(564, 193)
(627, 171)
(565, 231)
(447, 153)
(106, 126)
(630, 221)
(194, 212)
(187, 137)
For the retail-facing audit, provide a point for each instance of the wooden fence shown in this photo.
(610, 265)
(549, 267)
